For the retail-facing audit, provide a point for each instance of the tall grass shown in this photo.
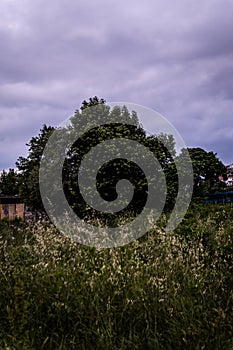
(165, 291)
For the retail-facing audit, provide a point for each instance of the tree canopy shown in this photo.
(28, 168)
(9, 182)
(118, 168)
(208, 171)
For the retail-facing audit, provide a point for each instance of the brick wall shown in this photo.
(12, 211)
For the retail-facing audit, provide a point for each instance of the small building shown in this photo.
(11, 207)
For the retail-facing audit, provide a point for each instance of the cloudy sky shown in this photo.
(173, 56)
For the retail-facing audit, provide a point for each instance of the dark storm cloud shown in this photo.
(176, 58)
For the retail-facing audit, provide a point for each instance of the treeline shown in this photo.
(24, 180)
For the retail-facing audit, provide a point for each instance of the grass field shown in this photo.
(165, 291)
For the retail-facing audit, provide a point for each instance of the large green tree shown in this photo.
(113, 171)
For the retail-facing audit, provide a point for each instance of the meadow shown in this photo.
(163, 291)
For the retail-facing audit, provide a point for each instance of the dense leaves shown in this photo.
(10, 182)
(208, 171)
(117, 168)
(29, 169)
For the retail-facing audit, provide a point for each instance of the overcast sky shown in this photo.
(173, 56)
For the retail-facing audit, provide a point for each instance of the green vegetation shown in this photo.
(165, 291)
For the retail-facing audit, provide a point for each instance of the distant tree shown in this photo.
(93, 101)
(9, 182)
(208, 171)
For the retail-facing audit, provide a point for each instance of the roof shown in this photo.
(220, 193)
(7, 199)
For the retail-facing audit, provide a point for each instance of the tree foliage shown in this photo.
(116, 169)
(28, 168)
(9, 182)
(208, 171)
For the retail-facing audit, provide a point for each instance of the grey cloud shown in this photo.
(175, 58)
